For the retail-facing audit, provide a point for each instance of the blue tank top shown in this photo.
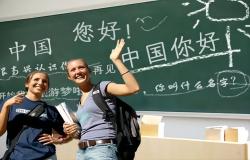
(90, 117)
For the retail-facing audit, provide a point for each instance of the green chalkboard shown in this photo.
(188, 56)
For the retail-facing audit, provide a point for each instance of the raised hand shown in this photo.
(117, 50)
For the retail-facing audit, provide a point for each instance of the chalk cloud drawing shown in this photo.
(146, 23)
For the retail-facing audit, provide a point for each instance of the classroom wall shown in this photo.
(178, 125)
(12, 10)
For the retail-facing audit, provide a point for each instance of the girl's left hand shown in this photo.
(116, 52)
(71, 129)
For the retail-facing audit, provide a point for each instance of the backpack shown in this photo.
(128, 137)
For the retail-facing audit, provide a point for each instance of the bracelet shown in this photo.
(124, 73)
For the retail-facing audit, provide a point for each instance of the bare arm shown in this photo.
(54, 138)
(4, 114)
(71, 131)
(130, 84)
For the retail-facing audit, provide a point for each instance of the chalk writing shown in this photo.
(130, 56)
(21, 71)
(156, 52)
(207, 42)
(228, 83)
(41, 47)
(183, 49)
(17, 49)
(84, 32)
(108, 30)
(233, 83)
(52, 94)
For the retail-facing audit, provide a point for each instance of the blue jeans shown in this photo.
(98, 152)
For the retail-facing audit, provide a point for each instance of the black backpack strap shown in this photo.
(36, 112)
(99, 100)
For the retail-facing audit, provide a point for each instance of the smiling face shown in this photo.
(78, 71)
(36, 84)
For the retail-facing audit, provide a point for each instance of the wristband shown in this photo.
(124, 73)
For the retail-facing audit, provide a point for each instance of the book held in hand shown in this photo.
(65, 112)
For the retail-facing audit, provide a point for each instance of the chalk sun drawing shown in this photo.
(206, 8)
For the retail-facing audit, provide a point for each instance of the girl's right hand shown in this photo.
(17, 99)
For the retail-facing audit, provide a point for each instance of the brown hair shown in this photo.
(31, 74)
